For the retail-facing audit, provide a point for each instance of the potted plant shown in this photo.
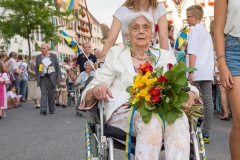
(211, 3)
(202, 3)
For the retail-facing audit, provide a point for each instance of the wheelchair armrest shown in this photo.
(117, 133)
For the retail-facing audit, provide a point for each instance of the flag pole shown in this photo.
(73, 38)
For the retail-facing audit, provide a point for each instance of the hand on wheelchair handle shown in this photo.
(102, 92)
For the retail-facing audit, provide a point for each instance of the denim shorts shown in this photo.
(232, 53)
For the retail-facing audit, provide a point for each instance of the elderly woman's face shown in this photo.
(88, 67)
(140, 33)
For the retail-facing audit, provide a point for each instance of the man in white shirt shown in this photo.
(200, 56)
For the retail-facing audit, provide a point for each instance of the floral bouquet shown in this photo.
(162, 93)
(73, 73)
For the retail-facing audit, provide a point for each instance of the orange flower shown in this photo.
(146, 67)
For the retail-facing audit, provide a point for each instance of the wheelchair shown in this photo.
(100, 143)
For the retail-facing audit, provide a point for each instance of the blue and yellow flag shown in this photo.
(69, 5)
(69, 41)
(182, 37)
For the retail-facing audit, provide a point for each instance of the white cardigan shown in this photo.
(117, 73)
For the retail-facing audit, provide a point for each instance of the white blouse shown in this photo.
(123, 12)
(232, 26)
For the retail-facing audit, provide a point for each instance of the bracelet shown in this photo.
(219, 57)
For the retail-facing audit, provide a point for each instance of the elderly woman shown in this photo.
(34, 92)
(82, 78)
(67, 73)
(117, 74)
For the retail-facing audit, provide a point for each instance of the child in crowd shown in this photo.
(3, 95)
(200, 56)
(12, 98)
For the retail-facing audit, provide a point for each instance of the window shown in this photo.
(94, 28)
(37, 37)
(41, 37)
(64, 5)
(54, 21)
(97, 30)
(33, 35)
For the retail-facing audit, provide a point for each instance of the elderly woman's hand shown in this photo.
(191, 101)
(100, 92)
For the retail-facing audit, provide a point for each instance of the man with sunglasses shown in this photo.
(48, 74)
(82, 58)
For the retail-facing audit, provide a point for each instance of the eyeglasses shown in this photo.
(42, 48)
(190, 16)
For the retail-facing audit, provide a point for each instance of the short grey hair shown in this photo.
(45, 44)
(130, 19)
(98, 49)
(90, 62)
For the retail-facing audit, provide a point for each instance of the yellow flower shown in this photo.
(147, 98)
(149, 82)
(154, 80)
(144, 79)
(138, 95)
(148, 74)
(143, 93)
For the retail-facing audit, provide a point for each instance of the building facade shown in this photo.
(78, 28)
(97, 35)
(176, 12)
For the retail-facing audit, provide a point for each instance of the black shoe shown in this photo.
(51, 112)
(57, 104)
(37, 106)
(64, 106)
(43, 112)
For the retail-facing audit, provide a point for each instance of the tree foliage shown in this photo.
(23, 17)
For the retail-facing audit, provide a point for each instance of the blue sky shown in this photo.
(103, 10)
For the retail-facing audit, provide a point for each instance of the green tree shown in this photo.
(23, 17)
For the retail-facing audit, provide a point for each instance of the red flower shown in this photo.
(145, 68)
(156, 27)
(156, 99)
(154, 92)
(162, 79)
(169, 65)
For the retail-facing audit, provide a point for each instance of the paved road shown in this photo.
(25, 135)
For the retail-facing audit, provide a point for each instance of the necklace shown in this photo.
(140, 59)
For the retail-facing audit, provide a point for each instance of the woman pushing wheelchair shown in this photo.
(117, 73)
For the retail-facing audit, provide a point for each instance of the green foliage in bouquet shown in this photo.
(155, 91)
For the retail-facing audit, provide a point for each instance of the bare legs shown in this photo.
(234, 99)
(64, 97)
(224, 100)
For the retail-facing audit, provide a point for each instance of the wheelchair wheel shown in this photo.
(93, 141)
(201, 145)
(197, 151)
(90, 140)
